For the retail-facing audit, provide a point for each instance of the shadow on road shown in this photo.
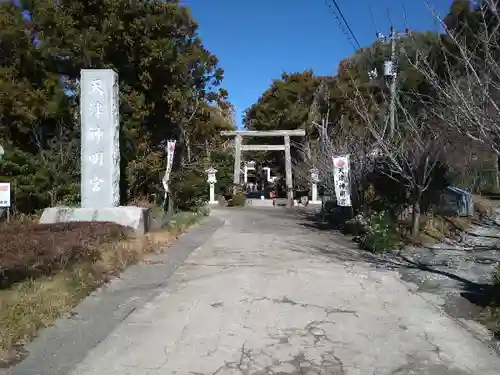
(442, 263)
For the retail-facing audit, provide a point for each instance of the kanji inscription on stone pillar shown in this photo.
(100, 132)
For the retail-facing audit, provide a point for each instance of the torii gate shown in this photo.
(238, 147)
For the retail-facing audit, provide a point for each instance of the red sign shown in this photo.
(171, 147)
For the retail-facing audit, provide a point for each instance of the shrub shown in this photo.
(483, 206)
(391, 192)
(189, 189)
(183, 220)
(381, 233)
(223, 161)
(495, 276)
(237, 200)
(204, 211)
(336, 216)
(32, 250)
(34, 303)
(77, 258)
(356, 226)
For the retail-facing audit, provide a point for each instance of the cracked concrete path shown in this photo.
(267, 295)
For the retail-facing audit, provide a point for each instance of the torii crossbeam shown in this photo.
(238, 147)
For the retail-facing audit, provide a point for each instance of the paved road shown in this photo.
(266, 294)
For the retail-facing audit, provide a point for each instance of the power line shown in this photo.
(388, 10)
(372, 18)
(339, 11)
(346, 23)
(341, 25)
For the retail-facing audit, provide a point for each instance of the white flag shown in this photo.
(170, 161)
(341, 180)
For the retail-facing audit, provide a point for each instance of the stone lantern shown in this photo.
(3, 209)
(314, 186)
(249, 166)
(211, 179)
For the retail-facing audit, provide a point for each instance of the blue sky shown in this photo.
(257, 40)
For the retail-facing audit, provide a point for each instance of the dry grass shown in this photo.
(490, 315)
(36, 302)
(33, 304)
(490, 318)
(434, 229)
(33, 250)
(483, 206)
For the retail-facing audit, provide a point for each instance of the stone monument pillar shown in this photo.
(100, 128)
(100, 158)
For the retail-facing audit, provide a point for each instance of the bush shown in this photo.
(223, 161)
(390, 190)
(78, 257)
(356, 226)
(483, 206)
(495, 276)
(183, 220)
(381, 233)
(189, 189)
(237, 200)
(32, 250)
(336, 216)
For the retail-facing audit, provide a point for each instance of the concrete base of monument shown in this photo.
(133, 217)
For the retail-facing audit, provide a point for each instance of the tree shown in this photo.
(206, 124)
(464, 72)
(413, 156)
(413, 159)
(284, 105)
(163, 67)
(37, 126)
(347, 114)
(168, 89)
(167, 77)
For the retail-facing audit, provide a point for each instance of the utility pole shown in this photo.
(390, 73)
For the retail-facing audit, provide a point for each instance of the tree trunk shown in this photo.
(415, 218)
(187, 144)
(188, 148)
(307, 145)
(497, 176)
